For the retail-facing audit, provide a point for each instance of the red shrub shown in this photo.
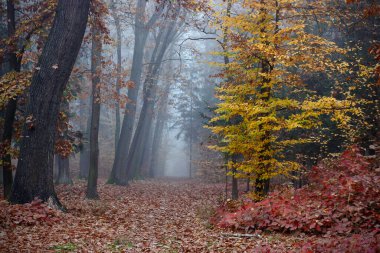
(343, 197)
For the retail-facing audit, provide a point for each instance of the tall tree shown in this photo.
(84, 160)
(34, 174)
(33, 19)
(266, 48)
(165, 37)
(96, 64)
(158, 129)
(141, 30)
(116, 18)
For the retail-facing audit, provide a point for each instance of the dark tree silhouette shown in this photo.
(34, 175)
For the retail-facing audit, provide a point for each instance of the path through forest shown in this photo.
(147, 216)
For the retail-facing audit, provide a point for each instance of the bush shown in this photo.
(342, 198)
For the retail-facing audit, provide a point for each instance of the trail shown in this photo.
(147, 216)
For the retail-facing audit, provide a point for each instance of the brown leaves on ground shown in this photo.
(147, 216)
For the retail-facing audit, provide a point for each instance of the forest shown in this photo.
(190, 126)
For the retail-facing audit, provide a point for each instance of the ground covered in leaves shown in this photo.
(147, 216)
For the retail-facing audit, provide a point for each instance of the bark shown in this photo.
(135, 156)
(118, 68)
(84, 160)
(63, 171)
(10, 110)
(118, 173)
(158, 131)
(235, 183)
(96, 52)
(143, 172)
(63, 165)
(2, 36)
(34, 174)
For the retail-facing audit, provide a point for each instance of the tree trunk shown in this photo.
(263, 182)
(118, 173)
(118, 68)
(63, 171)
(34, 174)
(135, 156)
(157, 136)
(235, 183)
(96, 55)
(10, 109)
(84, 160)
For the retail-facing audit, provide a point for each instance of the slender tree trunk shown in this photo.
(63, 165)
(118, 68)
(262, 183)
(96, 52)
(34, 174)
(84, 161)
(63, 171)
(118, 173)
(235, 185)
(159, 127)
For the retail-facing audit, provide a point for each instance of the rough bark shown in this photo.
(96, 54)
(34, 174)
(10, 110)
(118, 173)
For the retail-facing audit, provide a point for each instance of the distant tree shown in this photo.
(116, 18)
(140, 141)
(64, 145)
(142, 29)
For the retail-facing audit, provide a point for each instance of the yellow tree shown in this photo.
(265, 96)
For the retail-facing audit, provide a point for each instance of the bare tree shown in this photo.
(142, 29)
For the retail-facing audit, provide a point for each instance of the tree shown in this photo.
(64, 144)
(266, 89)
(118, 69)
(141, 30)
(140, 140)
(34, 174)
(35, 17)
(96, 58)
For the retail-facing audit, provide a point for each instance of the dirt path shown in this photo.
(147, 216)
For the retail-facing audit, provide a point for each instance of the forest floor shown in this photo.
(147, 216)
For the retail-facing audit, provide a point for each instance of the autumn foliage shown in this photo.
(342, 198)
